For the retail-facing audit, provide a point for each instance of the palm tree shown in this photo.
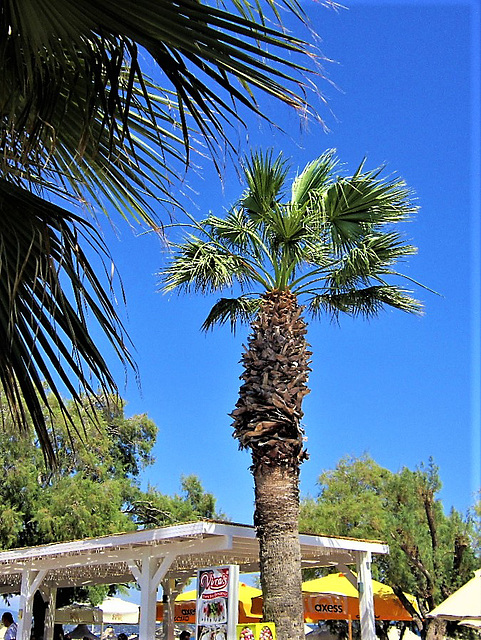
(329, 248)
(83, 126)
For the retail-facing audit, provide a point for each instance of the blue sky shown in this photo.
(399, 388)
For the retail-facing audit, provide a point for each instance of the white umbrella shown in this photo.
(463, 604)
(111, 611)
(118, 611)
(78, 613)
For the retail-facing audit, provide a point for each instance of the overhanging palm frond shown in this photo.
(366, 302)
(44, 327)
(236, 311)
(58, 53)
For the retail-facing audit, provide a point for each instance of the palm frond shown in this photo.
(236, 231)
(59, 55)
(367, 302)
(314, 178)
(44, 327)
(370, 258)
(203, 266)
(265, 177)
(355, 206)
(236, 311)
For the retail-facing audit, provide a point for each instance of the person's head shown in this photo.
(184, 635)
(7, 619)
(122, 636)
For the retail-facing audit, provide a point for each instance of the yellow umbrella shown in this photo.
(185, 605)
(335, 598)
(344, 600)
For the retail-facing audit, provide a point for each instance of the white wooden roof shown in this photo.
(106, 560)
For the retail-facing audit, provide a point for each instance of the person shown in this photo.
(122, 636)
(184, 635)
(9, 622)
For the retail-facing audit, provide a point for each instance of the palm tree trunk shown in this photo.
(276, 520)
(267, 420)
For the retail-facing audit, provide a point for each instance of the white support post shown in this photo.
(31, 581)
(50, 613)
(148, 573)
(169, 594)
(366, 596)
(171, 588)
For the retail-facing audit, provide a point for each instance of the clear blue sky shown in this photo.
(400, 388)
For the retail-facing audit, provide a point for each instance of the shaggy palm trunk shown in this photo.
(267, 420)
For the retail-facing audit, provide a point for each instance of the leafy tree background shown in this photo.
(95, 488)
(431, 553)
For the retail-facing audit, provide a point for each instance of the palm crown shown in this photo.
(331, 243)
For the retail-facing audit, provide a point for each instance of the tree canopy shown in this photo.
(431, 551)
(94, 490)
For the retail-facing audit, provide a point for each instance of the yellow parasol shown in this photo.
(345, 597)
(335, 598)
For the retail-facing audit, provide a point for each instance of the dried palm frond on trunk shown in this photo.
(268, 414)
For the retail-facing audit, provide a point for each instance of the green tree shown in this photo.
(331, 246)
(83, 125)
(93, 490)
(431, 554)
(155, 509)
(475, 515)
(92, 486)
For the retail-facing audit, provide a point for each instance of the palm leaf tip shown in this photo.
(367, 302)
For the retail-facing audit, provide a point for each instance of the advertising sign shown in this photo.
(217, 603)
(325, 607)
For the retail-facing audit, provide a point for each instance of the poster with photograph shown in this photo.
(217, 603)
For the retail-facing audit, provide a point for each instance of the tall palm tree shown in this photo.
(329, 248)
(82, 125)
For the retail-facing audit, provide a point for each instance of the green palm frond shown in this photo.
(236, 231)
(372, 257)
(62, 54)
(354, 206)
(314, 178)
(204, 266)
(366, 302)
(265, 177)
(333, 244)
(236, 311)
(44, 328)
